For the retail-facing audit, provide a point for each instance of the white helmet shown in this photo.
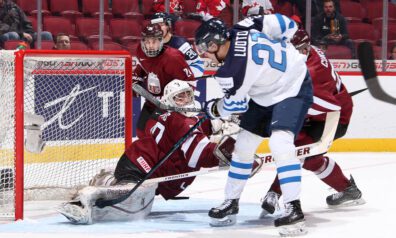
(178, 93)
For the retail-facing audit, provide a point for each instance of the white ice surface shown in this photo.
(374, 173)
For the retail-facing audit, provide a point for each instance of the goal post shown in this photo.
(85, 100)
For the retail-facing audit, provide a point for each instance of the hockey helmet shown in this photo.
(301, 39)
(160, 17)
(213, 31)
(152, 43)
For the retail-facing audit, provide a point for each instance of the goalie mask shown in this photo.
(180, 94)
(152, 43)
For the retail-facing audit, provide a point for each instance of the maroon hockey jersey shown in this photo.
(157, 72)
(194, 153)
(329, 92)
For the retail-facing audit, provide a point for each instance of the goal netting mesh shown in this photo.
(82, 101)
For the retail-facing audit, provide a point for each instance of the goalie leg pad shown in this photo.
(135, 207)
(81, 209)
(34, 142)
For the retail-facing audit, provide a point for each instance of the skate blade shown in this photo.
(297, 229)
(351, 203)
(225, 221)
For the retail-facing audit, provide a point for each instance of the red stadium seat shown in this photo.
(186, 28)
(33, 20)
(375, 10)
(124, 31)
(284, 8)
(108, 46)
(360, 32)
(55, 25)
(226, 15)
(45, 45)
(147, 7)
(67, 9)
(78, 45)
(352, 11)
(120, 7)
(13, 44)
(189, 6)
(88, 29)
(91, 8)
(338, 52)
(132, 47)
(30, 7)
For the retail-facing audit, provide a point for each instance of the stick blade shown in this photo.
(367, 65)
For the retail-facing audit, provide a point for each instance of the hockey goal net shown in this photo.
(84, 99)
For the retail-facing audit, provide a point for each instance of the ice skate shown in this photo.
(351, 196)
(270, 204)
(292, 222)
(225, 214)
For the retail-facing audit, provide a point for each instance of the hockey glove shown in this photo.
(210, 108)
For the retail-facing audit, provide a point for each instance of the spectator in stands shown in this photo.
(331, 27)
(14, 25)
(256, 7)
(175, 6)
(62, 42)
(208, 9)
(393, 53)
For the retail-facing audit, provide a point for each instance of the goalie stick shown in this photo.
(101, 203)
(367, 65)
(302, 152)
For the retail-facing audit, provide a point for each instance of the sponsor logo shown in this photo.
(144, 164)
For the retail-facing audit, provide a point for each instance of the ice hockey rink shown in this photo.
(374, 174)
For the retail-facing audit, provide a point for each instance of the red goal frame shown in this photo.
(19, 109)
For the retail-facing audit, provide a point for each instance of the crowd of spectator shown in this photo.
(336, 25)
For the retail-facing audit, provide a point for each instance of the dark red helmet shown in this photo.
(152, 31)
(301, 39)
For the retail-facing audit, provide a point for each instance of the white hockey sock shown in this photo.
(238, 175)
(289, 175)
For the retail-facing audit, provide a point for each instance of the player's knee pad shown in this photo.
(246, 145)
(281, 144)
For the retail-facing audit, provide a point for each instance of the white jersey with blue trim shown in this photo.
(261, 64)
(193, 60)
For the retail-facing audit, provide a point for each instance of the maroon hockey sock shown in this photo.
(275, 186)
(320, 166)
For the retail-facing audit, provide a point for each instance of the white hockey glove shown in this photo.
(34, 142)
(222, 127)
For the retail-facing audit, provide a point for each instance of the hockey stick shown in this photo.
(101, 203)
(357, 92)
(302, 152)
(367, 65)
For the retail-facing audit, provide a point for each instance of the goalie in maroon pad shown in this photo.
(142, 155)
